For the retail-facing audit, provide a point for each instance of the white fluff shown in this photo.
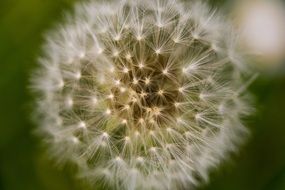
(142, 94)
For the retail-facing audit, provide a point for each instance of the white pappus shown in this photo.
(142, 94)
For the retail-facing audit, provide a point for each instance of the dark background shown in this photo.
(260, 164)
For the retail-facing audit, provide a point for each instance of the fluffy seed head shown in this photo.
(141, 94)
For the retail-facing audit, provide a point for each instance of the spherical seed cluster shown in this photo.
(141, 94)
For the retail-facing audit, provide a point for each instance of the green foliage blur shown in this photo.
(260, 164)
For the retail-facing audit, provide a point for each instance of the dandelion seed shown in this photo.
(158, 51)
(141, 120)
(125, 70)
(143, 94)
(184, 70)
(108, 112)
(60, 84)
(77, 75)
(117, 82)
(135, 81)
(124, 121)
(117, 37)
(127, 138)
(82, 55)
(176, 40)
(160, 92)
(116, 53)
(94, 100)
(141, 65)
(111, 96)
(181, 89)
(134, 100)
(100, 51)
(75, 140)
(176, 104)
(105, 135)
(140, 159)
(127, 107)
(128, 56)
(139, 37)
(165, 71)
(123, 89)
(69, 102)
(179, 120)
(157, 111)
(82, 125)
(137, 133)
(112, 69)
(147, 80)
(152, 149)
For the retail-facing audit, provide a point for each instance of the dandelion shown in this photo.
(142, 94)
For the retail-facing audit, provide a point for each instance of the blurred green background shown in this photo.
(260, 164)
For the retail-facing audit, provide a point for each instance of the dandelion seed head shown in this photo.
(129, 81)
